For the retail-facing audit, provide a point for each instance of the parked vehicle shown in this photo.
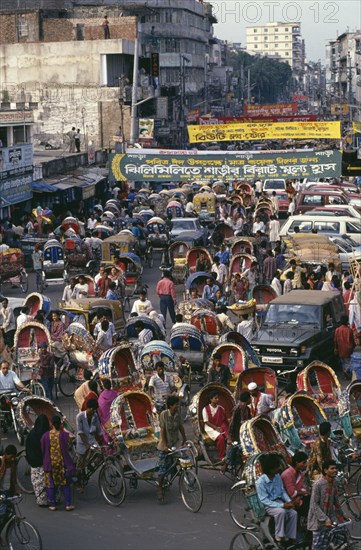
(333, 226)
(307, 200)
(179, 225)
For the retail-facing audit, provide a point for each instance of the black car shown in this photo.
(185, 228)
(298, 328)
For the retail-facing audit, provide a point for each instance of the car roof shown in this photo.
(184, 219)
(306, 297)
(327, 218)
(321, 191)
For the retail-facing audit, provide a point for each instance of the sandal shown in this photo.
(69, 508)
(52, 508)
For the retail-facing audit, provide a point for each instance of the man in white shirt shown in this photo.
(246, 327)
(221, 271)
(291, 208)
(276, 283)
(81, 288)
(24, 317)
(224, 319)
(69, 291)
(161, 384)
(258, 225)
(142, 306)
(261, 403)
(7, 322)
(189, 208)
(111, 328)
(91, 223)
(258, 186)
(274, 230)
(275, 203)
(105, 339)
(9, 381)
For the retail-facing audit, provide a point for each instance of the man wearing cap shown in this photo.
(219, 373)
(46, 363)
(261, 403)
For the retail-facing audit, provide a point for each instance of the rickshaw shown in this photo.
(206, 447)
(102, 231)
(208, 323)
(193, 255)
(321, 382)
(28, 338)
(87, 311)
(237, 338)
(135, 430)
(188, 307)
(157, 350)
(178, 257)
(232, 355)
(259, 435)
(131, 265)
(239, 263)
(157, 202)
(298, 421)
(350, 412)
(53, 261)
(220, 189)
(197, 281)
(240, 244)
(131, 334)
(12, 269)
(36, 301)
(76, 257)
(74, 224)
(89, 281)
(113, 206)
(145, 214)
(174, 209)
(187, 340)
(263, 294)
(180, 195)
(157, 233)
(204, 204)
(225, 230)
(119, 365)
(264, 209)
(264, 377)
(122, 243)
(108, 217)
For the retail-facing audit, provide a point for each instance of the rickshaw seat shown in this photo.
(130, 280)
(145, 465)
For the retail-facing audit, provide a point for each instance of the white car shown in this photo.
(274, 185)
(333, 226)
(347, 248)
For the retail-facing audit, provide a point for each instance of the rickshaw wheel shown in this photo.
(68, 382)
(246, 541)
(24, 281)
(240, 511)
(112, 483)
(191, 490)
(23, 471)
(150, 258)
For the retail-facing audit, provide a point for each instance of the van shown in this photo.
(333, 226)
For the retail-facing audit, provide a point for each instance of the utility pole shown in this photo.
(349, 78)
(206, 60)
(249, 86)
(122, 82)
(134, 108)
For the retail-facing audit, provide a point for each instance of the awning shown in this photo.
(40, 187)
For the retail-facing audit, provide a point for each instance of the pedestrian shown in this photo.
(71, 136)
(344, 344)
(276, 283)
(46, 363)
(7, 322)
(269, 267)
(277, 503)
(34, 457)
(325, 509)
(83, 389)
(261, 403)
(171, 426)
(246, 327)
(274, 230)
(77, 140)
(291, 208)
(142, 305)
(59, 468)
(105, 26)
(88, 434)
(8, 471)
(167, 295)
(93, 393)
(320, 451)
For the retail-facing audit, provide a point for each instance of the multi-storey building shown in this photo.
(282, 41)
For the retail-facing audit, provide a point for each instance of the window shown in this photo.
(266, 38)
(265, 30)
(287, 53)
(276, 30)
(305, 227)
(266, 45)
(335, 200)
(256, 46)
(327, 227)
(312, 199)
(255, 38)
(276, 37)
(254, 30)
(276, 45)
(353, 227)
(286, 30)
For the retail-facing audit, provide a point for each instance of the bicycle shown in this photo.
(19, 533)
(70, 378)
(23, 471)
(350, 503)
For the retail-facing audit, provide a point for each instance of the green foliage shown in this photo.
(271, 79)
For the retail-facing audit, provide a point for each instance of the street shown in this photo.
(140, 522)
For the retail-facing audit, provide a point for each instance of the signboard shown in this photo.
(15, 190)
(193, 115)
(146, 128)
(233, 120)
(16, 161)
(16, 117)
(339, 109)
(157, 165)
(162, 107)
(264, 130)
(299, 97)
(155, 64)
(277, 109)
(356, 127)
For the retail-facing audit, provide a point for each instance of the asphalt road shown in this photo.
(140, 522)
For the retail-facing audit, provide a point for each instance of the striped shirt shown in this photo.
(145, 336)
(161, 387)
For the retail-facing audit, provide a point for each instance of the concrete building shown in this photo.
(281, 41)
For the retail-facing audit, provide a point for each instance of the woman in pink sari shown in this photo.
(216, 424)
(105, 401)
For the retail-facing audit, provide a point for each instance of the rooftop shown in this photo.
(306, 297)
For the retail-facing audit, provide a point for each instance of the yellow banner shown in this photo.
(264, 130)
(356, 127)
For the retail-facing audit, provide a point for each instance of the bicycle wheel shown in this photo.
(240, 511)
(24, 475)
(24, 281)
(245, 540)
(358, 484)
(68, 382)
(22, 535)
(191, 490)
(37, 389)
(112, 483)
(352, 507)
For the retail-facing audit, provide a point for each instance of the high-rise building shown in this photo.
(282, 41)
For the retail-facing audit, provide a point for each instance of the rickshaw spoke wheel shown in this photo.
(191, 490)
(37, 389)
(24, 282)
(239, 510)
(245, 540)
(112, 483)
(68, 382)
(352, 508)
(24, 474)
(22, 535)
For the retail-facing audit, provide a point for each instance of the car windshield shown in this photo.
(282, 196)
(292, 314)
(274, 184)
(185, 225)
(343, 245)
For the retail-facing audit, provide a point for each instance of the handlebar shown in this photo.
(15, 498)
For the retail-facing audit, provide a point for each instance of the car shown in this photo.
(298, 328)
(336, 209)
(200, 235)
(283, 203)
(274, 185)
(313, 197)
(333, 226)
(347, 249)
